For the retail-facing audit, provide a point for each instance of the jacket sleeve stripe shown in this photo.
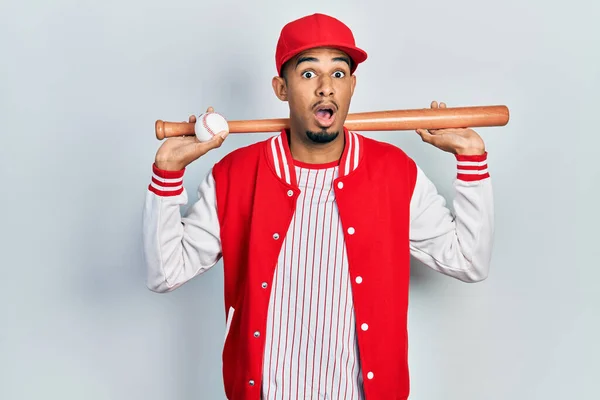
(163, 174)
(472, 164)
(472, 168)
(165, 190)
(166, 183)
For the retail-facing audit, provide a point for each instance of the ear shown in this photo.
(280, 88)
(353, 85)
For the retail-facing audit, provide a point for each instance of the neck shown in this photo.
(307, 151)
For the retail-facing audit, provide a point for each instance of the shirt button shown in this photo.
(290, 193)
(256, 334)
(370, 375)
(351, 231)
(264, 285)
(359, 279)
(251, 382)
(340, 185)
(276, 236)
(364, 327)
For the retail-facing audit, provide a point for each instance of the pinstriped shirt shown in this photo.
(310, 349)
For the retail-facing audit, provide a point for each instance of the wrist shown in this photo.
(476, 151)
(168, 166)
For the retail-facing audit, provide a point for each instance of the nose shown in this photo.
(325, 88)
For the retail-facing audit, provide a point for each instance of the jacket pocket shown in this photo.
(229, 319)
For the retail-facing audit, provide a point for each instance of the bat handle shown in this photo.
(165, 129)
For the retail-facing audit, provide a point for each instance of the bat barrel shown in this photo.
(438, 118)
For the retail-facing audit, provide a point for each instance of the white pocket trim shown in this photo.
(229, 318)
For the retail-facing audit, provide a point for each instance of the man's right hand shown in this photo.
(176, 153)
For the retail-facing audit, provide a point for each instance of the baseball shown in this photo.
(210, 124)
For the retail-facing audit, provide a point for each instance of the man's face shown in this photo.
(318, 86)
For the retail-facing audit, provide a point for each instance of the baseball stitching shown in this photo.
(206, 125)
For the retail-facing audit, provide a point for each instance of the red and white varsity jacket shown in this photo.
(389, 210)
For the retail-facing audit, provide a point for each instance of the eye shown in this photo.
(308, 74)
(339, 74)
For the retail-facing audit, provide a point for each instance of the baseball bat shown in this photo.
(391, 120)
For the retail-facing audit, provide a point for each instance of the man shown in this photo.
(316, 227)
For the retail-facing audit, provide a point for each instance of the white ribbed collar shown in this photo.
(280, 157)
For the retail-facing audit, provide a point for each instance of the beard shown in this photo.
(322, 136)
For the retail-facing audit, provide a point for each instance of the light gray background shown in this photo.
(81, 84)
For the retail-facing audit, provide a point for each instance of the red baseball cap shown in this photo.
(316, 30)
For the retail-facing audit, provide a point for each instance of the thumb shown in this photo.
(218, 139)
(216, 142)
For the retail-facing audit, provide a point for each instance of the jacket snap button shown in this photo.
(256, 334)
(290, 193)
(341, 185)
(264, 285)
(359, 279)
(276, 236)
(351, 231)
(251, 383)
(370, 375)
(364, 327)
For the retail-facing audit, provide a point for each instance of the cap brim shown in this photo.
(356, 54)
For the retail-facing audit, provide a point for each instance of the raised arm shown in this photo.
(178, 248)
(458, 244)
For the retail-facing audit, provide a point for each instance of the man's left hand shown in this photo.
(462, 141)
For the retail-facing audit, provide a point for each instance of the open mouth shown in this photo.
(325, 115)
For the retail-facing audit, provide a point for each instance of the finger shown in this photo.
(442, 105)
(192, 119)
(210, 109)
(427, 131)
(434, 140)
(446, 130)
(425, 135)
(434, 104)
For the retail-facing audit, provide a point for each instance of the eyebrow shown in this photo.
(314, 59)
